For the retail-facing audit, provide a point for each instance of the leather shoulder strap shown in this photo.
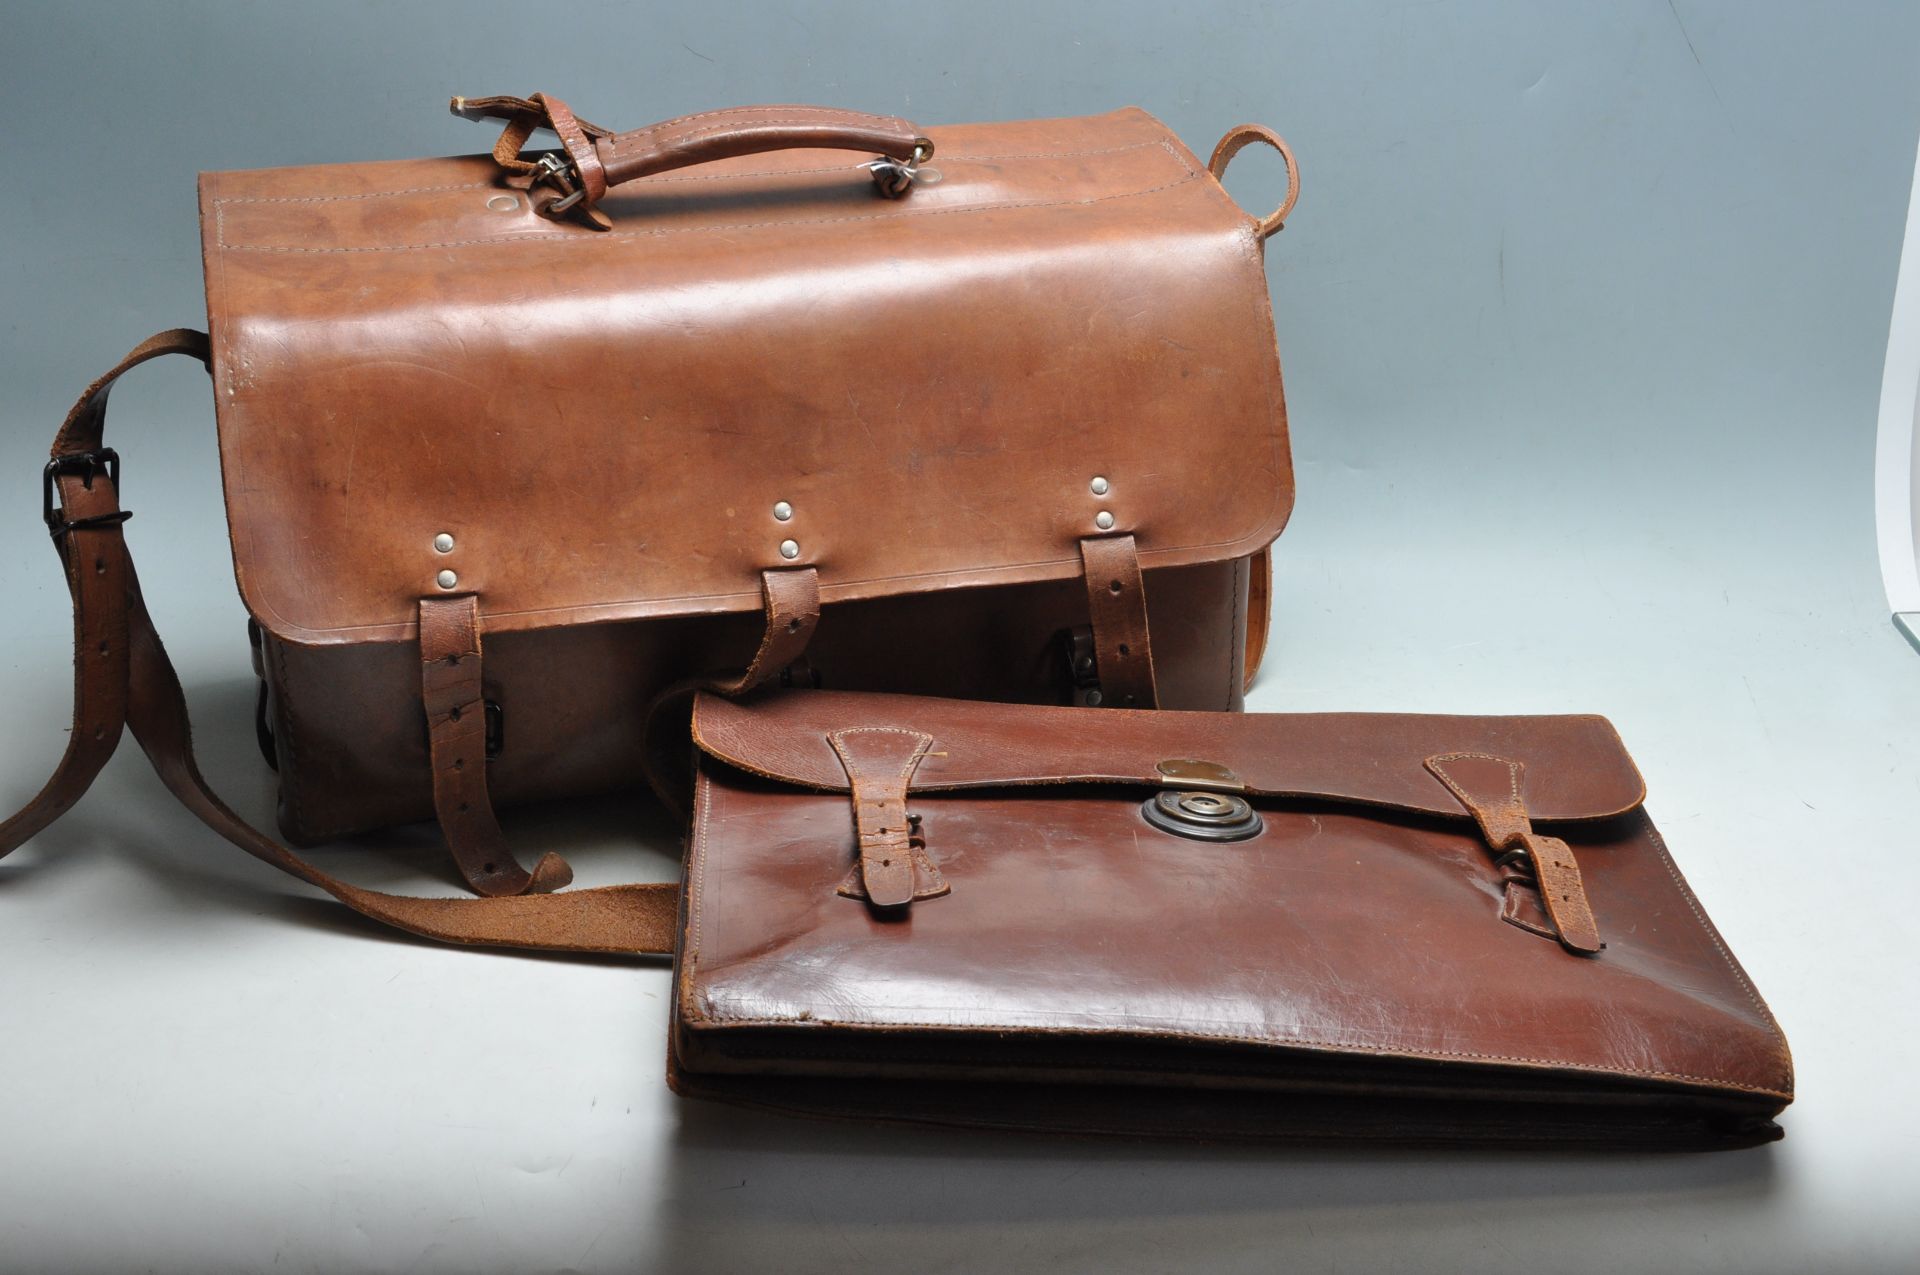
(124, 680)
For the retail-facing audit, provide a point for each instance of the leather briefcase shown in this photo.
(1406, 928)
(995, 407)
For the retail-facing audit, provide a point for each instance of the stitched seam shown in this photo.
(1686, 892)
(620, 139)
(616, 235)
(334, 199)
(1514, 769)
(666, 140)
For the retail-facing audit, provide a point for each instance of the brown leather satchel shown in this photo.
(637, 410)
(1406, 928)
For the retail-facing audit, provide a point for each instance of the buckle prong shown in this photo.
(86, 465)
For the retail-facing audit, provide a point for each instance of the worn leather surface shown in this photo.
(1354, 945)
(1374, 759)
(605, 421)
(352, 748)
(453, 694)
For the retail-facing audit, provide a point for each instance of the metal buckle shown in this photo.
(894, 178)
(551, 170)
(86, 465)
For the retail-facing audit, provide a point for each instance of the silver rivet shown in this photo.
(1094, 699)
(446, 579)
(782, 510)
(1103, 520)
(443, 543)
(1098, 486)
(503, 203)
(789, 548)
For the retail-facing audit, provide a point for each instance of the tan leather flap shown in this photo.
(604, 424)
(1573, 767)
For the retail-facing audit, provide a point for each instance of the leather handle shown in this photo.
(752, 130)
(599, 159)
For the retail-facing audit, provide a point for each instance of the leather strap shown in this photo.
(791, 600)
(1489, 787)
(1117, 599)
(123, 679)
(451, 692)
(880, 761)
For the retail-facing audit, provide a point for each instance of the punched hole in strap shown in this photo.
(1490, 790)
(1120, 670)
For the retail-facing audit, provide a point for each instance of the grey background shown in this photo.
(1582, 312)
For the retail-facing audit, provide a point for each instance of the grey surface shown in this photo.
(1582, 311)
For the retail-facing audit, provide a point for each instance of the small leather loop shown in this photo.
(1233, 143)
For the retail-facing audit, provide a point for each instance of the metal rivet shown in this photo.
(446, 579)
(503, 203)
(782, 510)
(443, 543)
(789, 548)
(1094, 699)
(1098, 486)
(1103, 520)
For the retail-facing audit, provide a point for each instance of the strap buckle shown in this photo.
(551, 170)
(87, 465)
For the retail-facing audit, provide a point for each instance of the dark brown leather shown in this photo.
(1489, 787)
(1346, 972)
(450, 689)
(1117, 601)
(879, 762)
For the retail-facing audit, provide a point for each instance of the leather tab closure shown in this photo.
(1117, 600)
(1489, 787)
(792, 601)
(451, 692)
(880, 761)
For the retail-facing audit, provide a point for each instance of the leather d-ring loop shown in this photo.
(1232, 144)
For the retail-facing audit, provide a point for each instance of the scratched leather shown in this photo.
(1582, 769)
(604, 421)
(1369, 934)
(352, 749)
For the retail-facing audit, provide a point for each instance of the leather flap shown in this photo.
(1573, 767)
(604, 424)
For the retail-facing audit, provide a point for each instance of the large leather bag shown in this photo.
(1326, 926)
(995, 408)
